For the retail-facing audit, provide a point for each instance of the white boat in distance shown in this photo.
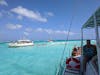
(21, 43)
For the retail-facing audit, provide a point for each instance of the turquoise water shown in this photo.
(41, 59)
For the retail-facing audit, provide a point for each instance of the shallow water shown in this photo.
(41, 59)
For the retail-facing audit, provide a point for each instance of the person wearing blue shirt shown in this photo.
(89, 51)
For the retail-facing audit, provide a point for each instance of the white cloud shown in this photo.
(29, 29)
(19, 17)
(29, 14)
(3, 2)
(26, 33)
(50, 14)
(63, 32)
(50, 31)
(39, 30)
(13, 26)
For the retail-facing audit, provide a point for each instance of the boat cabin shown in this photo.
(91, 69)
(93, 23)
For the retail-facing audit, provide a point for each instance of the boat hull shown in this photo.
(20, 45)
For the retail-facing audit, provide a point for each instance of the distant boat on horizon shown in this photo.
(50, 40)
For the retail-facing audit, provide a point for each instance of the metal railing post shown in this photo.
(81, 69)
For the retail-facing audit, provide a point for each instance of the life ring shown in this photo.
(73, 63)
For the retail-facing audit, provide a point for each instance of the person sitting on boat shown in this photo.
(89, 51)
(74, 52)
(73, 63)
(79, 50)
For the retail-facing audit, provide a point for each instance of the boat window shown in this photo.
(24, 42)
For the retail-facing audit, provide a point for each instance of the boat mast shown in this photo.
(97, 40)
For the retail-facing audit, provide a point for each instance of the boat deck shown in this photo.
(90, 70)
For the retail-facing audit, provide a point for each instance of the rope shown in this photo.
(64, 47)
(70, 25)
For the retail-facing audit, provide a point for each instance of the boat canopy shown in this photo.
(90, 22)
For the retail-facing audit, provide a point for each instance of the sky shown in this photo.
(44, 19)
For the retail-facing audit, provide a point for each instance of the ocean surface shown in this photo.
(41, 59)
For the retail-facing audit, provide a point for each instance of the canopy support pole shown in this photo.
(81, 71)
(97, 41)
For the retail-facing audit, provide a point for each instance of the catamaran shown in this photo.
(21, 43)
(92, 22)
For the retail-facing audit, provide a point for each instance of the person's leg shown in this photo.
(85, 60)
(84, 64)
